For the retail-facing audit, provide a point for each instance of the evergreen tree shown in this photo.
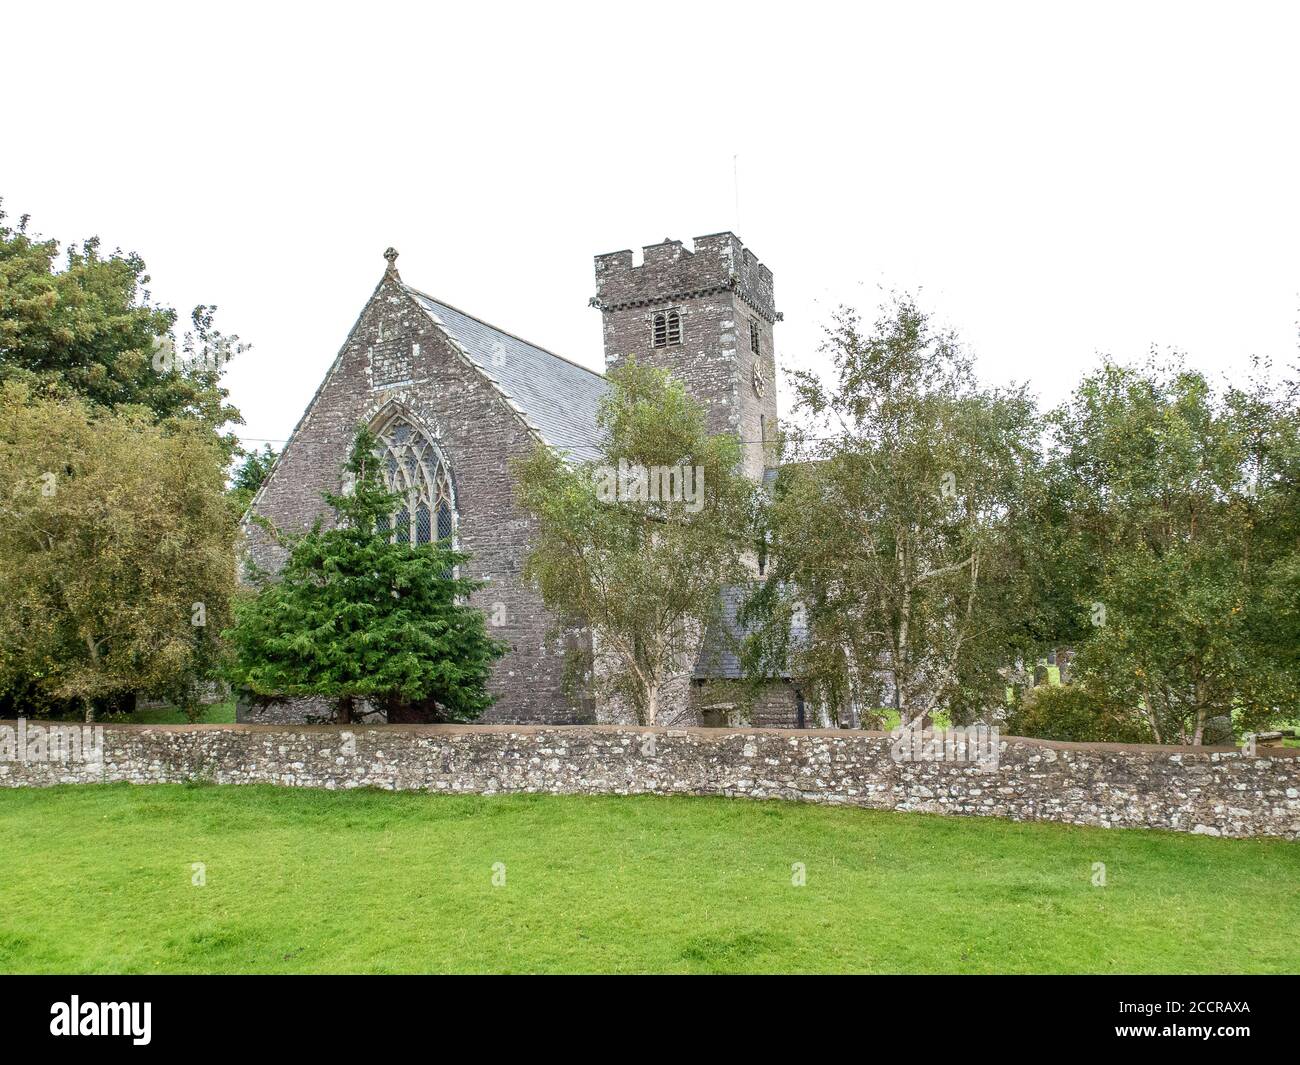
(354, 615)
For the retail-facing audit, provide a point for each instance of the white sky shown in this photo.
(1058, 180)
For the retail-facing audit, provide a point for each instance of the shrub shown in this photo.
(1072, 712)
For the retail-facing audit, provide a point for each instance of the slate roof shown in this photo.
(557, 397)
(717, 659)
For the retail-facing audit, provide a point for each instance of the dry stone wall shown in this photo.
(1221, 792)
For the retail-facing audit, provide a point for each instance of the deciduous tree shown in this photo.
(614, 550)
(1179, 506)
(89, 327)
(898, 526)
(116, 552)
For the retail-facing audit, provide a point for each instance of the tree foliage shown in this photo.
(1180, 545)
(250, 473)
(116, 552)
(897, 529)
(1075, 713)
(89, 328)
(645, 574)
(354, 615)
(929, 537)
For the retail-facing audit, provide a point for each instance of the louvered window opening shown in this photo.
(667, 329)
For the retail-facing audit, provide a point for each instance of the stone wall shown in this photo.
(1215, 791)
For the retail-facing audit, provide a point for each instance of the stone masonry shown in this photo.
(411, 357)
(396, 358)
(726, 360)
(719, 289)
(1212, 791)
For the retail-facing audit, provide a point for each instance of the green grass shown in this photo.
(98, 879)
(890, 718)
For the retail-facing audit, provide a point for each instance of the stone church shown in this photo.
(455, 400)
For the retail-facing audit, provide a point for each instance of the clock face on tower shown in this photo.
(759, 382)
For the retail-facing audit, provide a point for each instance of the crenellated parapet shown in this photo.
(670, 272)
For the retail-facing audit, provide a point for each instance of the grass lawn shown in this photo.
(98, 879)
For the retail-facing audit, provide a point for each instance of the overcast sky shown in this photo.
(1056, 180)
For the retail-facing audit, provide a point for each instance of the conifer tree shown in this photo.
(354, 615)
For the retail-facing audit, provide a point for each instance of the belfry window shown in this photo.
(754, 336)
(415, 470)
(667, 329)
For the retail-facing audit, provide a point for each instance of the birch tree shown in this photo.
(638, 544)
(1182, 523)
(893, 525)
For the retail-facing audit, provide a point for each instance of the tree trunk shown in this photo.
(851, 676)
(345, 710)
(1149, 711)
(902, 665)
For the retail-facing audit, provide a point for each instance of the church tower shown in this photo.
(706, 315)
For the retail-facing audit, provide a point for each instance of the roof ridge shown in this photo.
(505, 332)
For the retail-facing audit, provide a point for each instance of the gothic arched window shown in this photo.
(415, 469)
